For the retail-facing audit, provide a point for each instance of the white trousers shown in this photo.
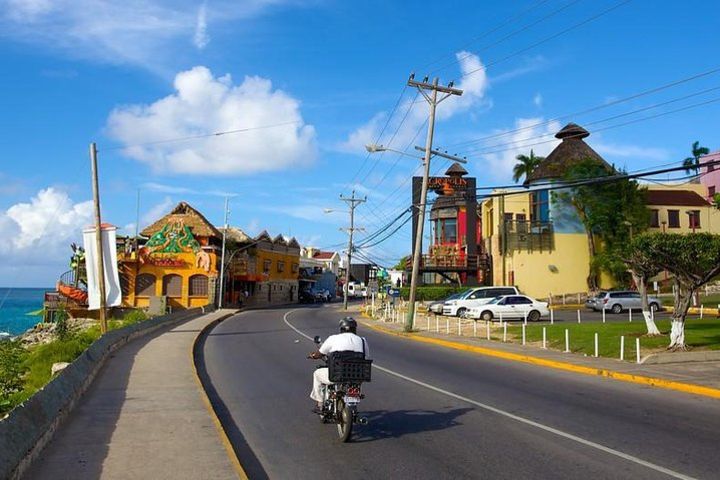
(320, 378)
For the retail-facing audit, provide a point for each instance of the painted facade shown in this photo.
(177, 261)
(710, 174)
(682, 208)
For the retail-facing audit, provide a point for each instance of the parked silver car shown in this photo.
(620, 301)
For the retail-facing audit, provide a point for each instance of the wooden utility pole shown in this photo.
(222, 256)
(98, 238)
(352, 202)
(432, 99)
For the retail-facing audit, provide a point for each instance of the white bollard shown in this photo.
(544, 338)
(437, 324)
(596, 345)
(578, 313)
(428, 322)
(637, 349)
(504, 331)
(459, 327)
(447, 326)
(622, 347)
(523, 334)
(487, 330)
(567, 341)
(552, 316)
(702, 307)
(603, 312)
(525, 317)
(630, 314)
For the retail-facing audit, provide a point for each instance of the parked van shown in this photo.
(356, 290)
(474, 298)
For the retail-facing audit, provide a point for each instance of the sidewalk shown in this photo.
(143, 417)
(702, 374)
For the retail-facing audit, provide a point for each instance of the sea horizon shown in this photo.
(15, 304)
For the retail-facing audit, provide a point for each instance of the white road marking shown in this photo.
(518, 418)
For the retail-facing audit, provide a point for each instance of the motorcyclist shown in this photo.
(345, 341)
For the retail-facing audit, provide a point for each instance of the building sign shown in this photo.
(447, 185)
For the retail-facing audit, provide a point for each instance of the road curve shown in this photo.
(439, 413)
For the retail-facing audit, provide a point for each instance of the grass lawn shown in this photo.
(710, 301)
(699, 335)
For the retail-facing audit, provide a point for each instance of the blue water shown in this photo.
(14, 304)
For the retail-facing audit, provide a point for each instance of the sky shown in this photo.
(303, 86)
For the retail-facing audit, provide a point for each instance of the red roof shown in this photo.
(679, 198)
(324, 255)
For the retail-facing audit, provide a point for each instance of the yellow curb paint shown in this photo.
(234, 460)
(624, 377)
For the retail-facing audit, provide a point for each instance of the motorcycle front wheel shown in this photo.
(344, 421)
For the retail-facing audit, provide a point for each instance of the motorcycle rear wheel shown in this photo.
(344, 422)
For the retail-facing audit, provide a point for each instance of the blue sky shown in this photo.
(129, 73)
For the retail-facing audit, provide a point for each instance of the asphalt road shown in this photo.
(438, 413)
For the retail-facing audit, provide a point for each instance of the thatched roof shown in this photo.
(571, 151)
(190, 217)
(236, 235)
(456, 170)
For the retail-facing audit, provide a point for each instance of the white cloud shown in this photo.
(201, 37)
(502, 150)
(157, 211)
(38, 230)
(538, 100)
(473, 85)
(139, 32)
(204, 104)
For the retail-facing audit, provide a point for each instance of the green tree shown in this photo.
(402, 262)
(693, 260)
(693, 163)
(611, 212)
(525, 166)
(642, 267)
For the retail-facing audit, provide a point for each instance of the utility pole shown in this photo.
(222, 256)
(352, 202)
(432, 99)
(98, 237)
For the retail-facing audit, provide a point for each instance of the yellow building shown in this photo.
(541, 245)
(178, 262)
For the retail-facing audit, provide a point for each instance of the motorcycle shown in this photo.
(341, 398)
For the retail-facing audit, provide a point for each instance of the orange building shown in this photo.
(177, 264)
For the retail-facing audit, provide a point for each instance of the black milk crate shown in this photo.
(344, 369)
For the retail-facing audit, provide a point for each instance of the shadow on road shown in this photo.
(394, 424)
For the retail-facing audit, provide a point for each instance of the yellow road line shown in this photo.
(569, 367)
(234, 460)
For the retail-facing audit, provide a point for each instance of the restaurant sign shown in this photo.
(447, 185)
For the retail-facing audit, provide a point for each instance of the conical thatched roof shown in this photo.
(456, 170)
(571, 151)
(236, 235)
(190, 217)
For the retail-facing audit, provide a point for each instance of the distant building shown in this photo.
(710, 174)
(682, 209)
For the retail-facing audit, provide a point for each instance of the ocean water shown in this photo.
(15, 303)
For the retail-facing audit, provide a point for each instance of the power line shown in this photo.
(205, 135)
(593, 109)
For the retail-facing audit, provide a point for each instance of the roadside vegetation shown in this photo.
(26, 369)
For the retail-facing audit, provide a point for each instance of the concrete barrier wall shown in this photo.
(30, 426)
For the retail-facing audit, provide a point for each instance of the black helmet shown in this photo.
(348, 324)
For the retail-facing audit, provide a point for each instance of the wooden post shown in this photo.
(98, 238)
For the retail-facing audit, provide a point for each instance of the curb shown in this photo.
(224, 439)
(569, 367)
(32, 425)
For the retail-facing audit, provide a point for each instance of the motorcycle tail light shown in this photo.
(354, 391)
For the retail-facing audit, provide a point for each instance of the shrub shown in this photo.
(12, 368)
(61, 324)
(431, 293)
(135, 316)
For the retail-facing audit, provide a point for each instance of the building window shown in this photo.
(711, 190)
(694, 219)
(198, 286)
(508, 217)
(673, 218)
(280, 266)
(266, 266)
(295, 268)
(655, 218)
(145, 285)
(540, 207)
(172, 285)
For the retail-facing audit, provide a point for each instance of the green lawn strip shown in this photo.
(699, 335)
(710, 301)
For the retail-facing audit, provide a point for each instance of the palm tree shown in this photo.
(693, 163)
(526, 165)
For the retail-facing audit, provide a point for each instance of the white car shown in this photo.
(511, 307)
(474, 298)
